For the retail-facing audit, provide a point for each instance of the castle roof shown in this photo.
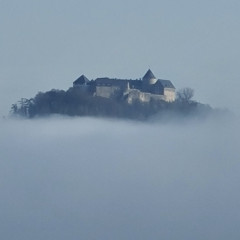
(111, 81)
(148, 75)
(135, 84)
(81, 80)
(166, 83)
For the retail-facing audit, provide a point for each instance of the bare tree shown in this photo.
(185, 94)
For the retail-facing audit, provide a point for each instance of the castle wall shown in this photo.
(107, 91)
(136, 95)
(82, 88)
(158, 97)
(169, 94)
(146, 90)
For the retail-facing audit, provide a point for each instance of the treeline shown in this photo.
(74, 102)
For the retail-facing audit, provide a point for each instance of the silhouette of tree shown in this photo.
(185, 95)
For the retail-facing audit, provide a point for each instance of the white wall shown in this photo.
(106, 91)
(169, 94)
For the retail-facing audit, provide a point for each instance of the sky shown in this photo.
(48, 44)
(91, 178)
(61, 179)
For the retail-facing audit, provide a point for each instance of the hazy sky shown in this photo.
(48, 44)
(88, 178)
(94, 179)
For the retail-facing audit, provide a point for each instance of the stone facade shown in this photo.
(169, 94)
(108, 91)
(144, 90)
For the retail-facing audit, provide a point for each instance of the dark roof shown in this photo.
(135, 84)
(103, 80)
(149, 75)
(81, 80)
(166, 83)
(111, 81)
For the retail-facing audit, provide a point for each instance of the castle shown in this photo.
(145, 89)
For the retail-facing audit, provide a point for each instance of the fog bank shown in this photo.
(86, 178)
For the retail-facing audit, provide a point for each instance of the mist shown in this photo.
(87, 178)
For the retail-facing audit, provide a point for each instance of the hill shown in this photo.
(75, 102)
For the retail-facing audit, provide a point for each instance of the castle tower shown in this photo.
(81, 81)
(148, 80)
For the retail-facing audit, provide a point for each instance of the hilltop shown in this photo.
(110, 97)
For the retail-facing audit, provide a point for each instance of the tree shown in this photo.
(185, 95)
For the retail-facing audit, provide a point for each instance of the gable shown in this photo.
(81, 80)
(166, 83)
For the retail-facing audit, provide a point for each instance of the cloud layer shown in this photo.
(87, 178)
